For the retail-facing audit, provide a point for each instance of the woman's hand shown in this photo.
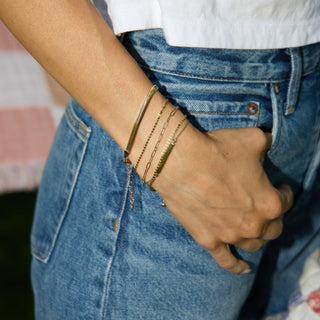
(214, 184)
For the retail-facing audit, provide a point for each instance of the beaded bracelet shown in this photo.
(166, 152)
(150, 135)
(136, 125)
(155, 149)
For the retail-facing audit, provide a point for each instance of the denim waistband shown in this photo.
(152, 52)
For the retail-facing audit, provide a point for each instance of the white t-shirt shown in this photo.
(238, 24)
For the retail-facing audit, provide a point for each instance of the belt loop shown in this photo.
(295, 78)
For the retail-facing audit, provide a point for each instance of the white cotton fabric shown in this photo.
(305, 303)
(237, 24)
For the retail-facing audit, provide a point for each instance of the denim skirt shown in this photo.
(95, 259)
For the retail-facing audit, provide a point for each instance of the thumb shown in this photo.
(286, 196)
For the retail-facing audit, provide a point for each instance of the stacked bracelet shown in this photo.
(136, 125)
(166, 152)
(150, 135)
(166, 149)
(155, 149)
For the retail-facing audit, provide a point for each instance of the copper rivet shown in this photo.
(252, 108)
(115, 228)
(291, 109)
(276, 88)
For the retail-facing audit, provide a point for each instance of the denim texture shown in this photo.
(95, 258)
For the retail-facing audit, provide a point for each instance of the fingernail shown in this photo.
(246, 271)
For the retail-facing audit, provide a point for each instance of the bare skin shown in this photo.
(222, 198)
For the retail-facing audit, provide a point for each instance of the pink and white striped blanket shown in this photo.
(31, 105)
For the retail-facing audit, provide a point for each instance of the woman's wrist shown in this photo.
(160, 129)
(175, 170)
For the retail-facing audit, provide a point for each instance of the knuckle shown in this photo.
(255, 231)
(207, 242)
(231, 238)
(227, 264)
(253, 246)
(271, 206)
(259, 138)
(252, 230)
(280, 227)
(275, 229)
(274, 208)
(259, 134)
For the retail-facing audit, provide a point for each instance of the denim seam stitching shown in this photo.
(221, 113)
(105, 294)
(295, 77)
(37, 256)
(314, 158)
(74, 129)
(203, 77)
(278, 124)
(86, 128)
(75, 179)
(37, 248)
(72, 116)
(310, 72)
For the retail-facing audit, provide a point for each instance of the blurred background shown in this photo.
(15, 290)
(31, 105)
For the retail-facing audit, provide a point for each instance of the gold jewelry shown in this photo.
(136, 125)
(166, 152)
(155, 149)
(150, 135)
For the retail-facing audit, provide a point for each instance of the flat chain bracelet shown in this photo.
(150, 135)
(136, 125)
(165, 125)
(166, 152)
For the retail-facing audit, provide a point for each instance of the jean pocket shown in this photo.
(212, 105)
(58, 182)
(225, 114)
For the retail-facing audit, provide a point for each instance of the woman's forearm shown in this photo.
(72, 42)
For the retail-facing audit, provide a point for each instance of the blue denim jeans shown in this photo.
(95, 258)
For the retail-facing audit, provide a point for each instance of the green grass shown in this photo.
(16, 300)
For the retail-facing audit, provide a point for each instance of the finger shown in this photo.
(269, 140)
(268, 136)
(224, 257)
(286, 196)
(251, 244)
(272, 230)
